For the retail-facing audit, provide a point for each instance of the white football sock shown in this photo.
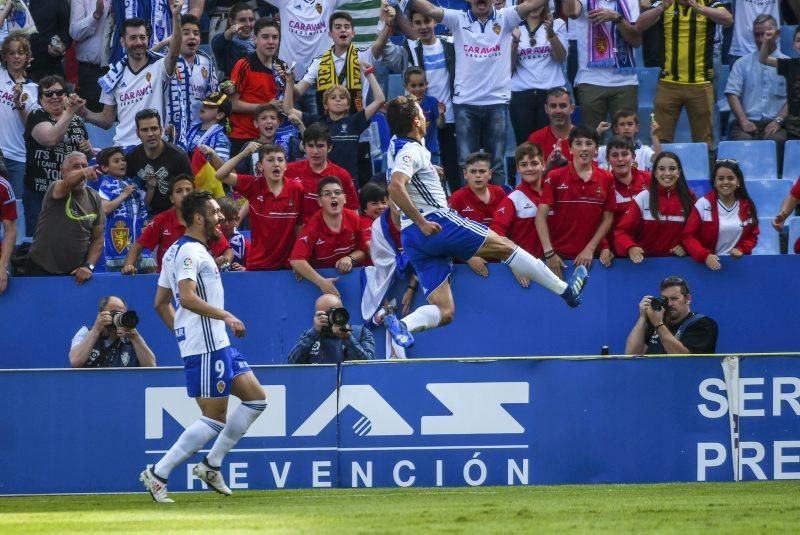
(527, 265)
(238, 423)
(425, 317)
(189, 443)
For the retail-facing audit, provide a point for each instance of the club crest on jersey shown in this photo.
(220, 386)
(407, 159)
(204, 72)
(125, 357)
(318, 7)
(147, 76)
(120, 236)
(23, 98)
(496, 28)
(187, 262)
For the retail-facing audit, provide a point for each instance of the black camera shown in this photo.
(338, 316)
(658, 303)
(127, 320)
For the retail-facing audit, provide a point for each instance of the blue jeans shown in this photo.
(16, 175)
(32, 204)
(483, 127)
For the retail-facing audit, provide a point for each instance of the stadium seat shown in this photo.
(100, 138)
(648, 80)
(723, 109)
(694, 157)
(396, 87)
(645, 113)
(756, 158)
(699, 187)
(791, 160)
(768, 195)
(787, 33)
(794, 232)
(769, 241)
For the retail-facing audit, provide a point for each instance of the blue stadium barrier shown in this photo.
(757, 159)
(494, 316)
(791, 160)
(768, 195)
(694, 158)
(440, 423)
(794, 232)
(787, 35)
(769, 242)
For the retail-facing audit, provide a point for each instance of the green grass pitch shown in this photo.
(755, 507)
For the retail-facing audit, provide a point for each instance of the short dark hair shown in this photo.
(269, 106)
(148, 113)
(583, 131)
(401, 113)
(269, 148)
(228, 206)
(529, 149)
(623, 113)
(412, 10)
(326, 180)
(52, 79)
(476, 157)
(177, 178)
(266, 22)
(104, 156)
(317, 132)
(674, 280)
(339, 15)
(559, 91)
(195, 203)
(619, 142)
(411, 71)
(135, 22)
(188, 18)
(371, 192)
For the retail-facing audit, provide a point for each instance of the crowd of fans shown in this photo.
(276, 116)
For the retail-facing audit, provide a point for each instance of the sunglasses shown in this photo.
(55, 93)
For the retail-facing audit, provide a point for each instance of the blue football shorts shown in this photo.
(210, 375)
(432, 256)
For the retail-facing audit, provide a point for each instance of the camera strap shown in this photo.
(688, 322)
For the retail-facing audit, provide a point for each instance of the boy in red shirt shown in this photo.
(276, 205)
(582, 198)
(168, 226)
(478, 199)
(317, 144)
(332, 238)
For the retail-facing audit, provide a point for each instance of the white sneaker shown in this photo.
(155, 487)
(212, 478)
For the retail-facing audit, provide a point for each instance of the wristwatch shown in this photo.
(779, 120)
(89, 266)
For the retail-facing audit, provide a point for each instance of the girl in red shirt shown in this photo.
(724, 221)
(654, 221)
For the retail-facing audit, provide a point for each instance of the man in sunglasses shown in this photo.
(666, 326)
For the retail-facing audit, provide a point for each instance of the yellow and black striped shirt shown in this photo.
(688, 44)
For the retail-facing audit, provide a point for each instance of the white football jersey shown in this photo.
(425, 187)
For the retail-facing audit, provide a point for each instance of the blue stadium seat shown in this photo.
(699, 187)
(100, 138)
(396, 87)
(769, 241)
(791, 160)
(756, 158)
(787, 33)
(683, 134)
(794, 232)
(723, 109)
(644, 123)
(694, 157)
(768, 195)
(648, 80)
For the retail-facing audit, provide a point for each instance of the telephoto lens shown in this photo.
(127, 320)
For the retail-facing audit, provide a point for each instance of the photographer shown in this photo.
(666, 326)
(332, 340)
(113, 341)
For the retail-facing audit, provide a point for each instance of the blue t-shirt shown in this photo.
(214, 137)
(124, 225)
(430, 107)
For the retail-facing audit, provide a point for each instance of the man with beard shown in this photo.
(138, 81)
(666, 326)
(554, 138)
(214, 368)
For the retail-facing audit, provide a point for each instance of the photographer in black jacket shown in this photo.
(332, 340)
(113, 341)
(666, 326)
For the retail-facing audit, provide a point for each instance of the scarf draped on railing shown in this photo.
(607, 48)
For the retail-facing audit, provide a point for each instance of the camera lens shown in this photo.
(127, 320)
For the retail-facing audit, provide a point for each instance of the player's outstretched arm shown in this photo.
(398, 193)
(164, 308)
(187, 288)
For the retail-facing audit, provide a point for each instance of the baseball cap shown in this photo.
(218, 100)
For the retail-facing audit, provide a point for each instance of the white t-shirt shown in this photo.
(730, 228)
(11, 134)
(188, 258)
(536, 67)
(608, 77)
(483, 55)
(437, 75)
(137, 91)
(202, 81)
(304, 30)
(643, 158)
(424, 188)
(742, 42)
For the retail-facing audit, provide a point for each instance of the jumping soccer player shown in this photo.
(214, 368)
(433, 234)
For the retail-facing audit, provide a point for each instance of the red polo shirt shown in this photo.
(322, 247)
(301, 170)
(515, 219)
(165, 229)
(465, 202)
(546, 139)
(8, 204)
(578, 207)
(273, 219)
